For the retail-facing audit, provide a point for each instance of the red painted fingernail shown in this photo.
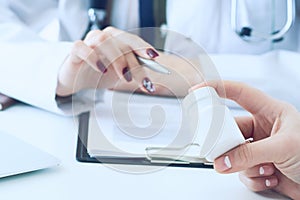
(148, 85)
(151, 53)
(127, 74)
(101, 67)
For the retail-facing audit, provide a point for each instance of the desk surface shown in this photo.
(73, 180)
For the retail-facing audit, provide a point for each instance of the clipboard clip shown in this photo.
(187, 154)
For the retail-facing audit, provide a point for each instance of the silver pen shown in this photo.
(153, 65)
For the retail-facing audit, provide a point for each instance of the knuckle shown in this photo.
(97, 35)
(89, 54)
(109, 29)
(244, 155)
(101, 36)
(112, 31)
(92, 33)
(134, 37)
(125, 49)
(76, 46)
(119, 62)
(80, 51)
(138, 40)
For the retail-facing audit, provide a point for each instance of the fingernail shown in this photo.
(268, 183)
(151, 53)
(261, 171)
(148, 85)
(127, 74)
(101, 67)
(271, 182)
(227, 162)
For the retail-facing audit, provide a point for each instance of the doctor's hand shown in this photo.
(272, 161)
(106, 59)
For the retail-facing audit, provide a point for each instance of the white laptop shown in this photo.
(19, 157)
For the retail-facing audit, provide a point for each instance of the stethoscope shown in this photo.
(251, 35)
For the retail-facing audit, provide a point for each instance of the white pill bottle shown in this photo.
(211, 122)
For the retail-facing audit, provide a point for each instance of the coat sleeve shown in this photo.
(30, 65)
(13, 27)
(28, 72)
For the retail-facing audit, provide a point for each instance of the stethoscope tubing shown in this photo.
(252, 35)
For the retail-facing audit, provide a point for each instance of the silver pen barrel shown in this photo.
(153, 65)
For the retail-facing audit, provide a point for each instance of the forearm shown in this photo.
(29, 72)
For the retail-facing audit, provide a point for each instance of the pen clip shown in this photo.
(153, 65)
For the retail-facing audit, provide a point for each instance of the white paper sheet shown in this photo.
(127, 124)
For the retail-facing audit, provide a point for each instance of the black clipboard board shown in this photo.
(82, 154)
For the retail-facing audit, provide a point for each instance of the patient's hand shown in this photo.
(272, 161)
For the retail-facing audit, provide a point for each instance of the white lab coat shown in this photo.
(32, 31)
(32, 51)
(208, 24)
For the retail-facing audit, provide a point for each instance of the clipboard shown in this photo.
(82, 154)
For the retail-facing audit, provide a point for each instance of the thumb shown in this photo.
(249, 155)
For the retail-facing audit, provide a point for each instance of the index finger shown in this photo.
(253, 100)
(137, 44)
